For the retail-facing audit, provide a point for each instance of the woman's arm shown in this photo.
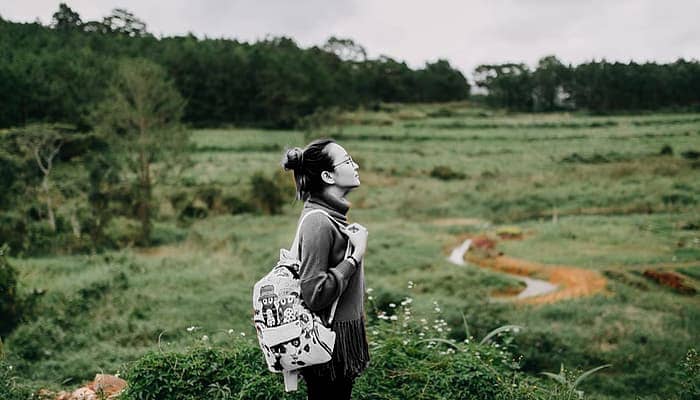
(321, 283)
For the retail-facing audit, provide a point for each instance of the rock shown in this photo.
(108, 385)
(83, 393)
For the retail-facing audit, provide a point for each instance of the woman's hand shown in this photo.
(357, 234)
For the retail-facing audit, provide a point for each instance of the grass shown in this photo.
(619, 205)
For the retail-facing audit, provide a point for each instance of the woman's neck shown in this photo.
(332, 199)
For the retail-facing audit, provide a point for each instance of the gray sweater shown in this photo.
(326, 275)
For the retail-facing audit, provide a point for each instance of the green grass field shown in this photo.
(591, 192)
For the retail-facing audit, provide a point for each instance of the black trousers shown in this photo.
(322, 388)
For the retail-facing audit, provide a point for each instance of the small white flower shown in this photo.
(394, 318)
(242, 333)
(205, 338)
(370, 290)
(410, 284)
(392, 305)
(192, 328)
(370, 298)
(230, 331)
(405, 342)
(375, 332)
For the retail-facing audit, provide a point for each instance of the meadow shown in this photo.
(615, 194)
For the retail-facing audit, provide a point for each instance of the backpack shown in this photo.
(290, 335)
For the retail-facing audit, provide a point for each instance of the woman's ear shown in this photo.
(327, 177)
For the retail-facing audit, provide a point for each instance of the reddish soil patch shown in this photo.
(574, 282)
(670, 279)
(483, 242)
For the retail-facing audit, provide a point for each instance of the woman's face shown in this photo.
(345, 169)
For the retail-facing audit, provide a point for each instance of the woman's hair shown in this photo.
(307, 165)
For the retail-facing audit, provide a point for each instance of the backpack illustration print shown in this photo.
(290, 335)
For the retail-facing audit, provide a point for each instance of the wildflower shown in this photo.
(410, 284)
(405, 342)
(375, 332)
(242, 333)
(392, 305)
(369, 290)
(192, 328)
(205, 338)
(393, 318)
(230, 332)
(423, 321)
(437, 309)
(370, 298)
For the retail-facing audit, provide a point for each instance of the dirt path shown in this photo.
(563, 282)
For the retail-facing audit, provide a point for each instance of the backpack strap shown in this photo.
(295, 249)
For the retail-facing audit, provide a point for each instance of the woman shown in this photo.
(324, 174)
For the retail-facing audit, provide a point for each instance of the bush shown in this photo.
(9, 301)
(266, 194)
(690, 376)
(237, 371)
(446, 173)
(411, 359)
(9, 388)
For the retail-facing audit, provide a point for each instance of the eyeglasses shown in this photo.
(348, 160)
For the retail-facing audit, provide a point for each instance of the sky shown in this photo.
(466, 33)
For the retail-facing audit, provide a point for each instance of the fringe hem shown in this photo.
(350, 354)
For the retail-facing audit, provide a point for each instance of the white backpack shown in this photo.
(290, 335)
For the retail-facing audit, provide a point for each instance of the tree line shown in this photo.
(596, 86)
(55, 73)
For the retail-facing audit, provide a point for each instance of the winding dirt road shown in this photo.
(563, 282)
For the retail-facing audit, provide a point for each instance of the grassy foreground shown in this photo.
(615, 194)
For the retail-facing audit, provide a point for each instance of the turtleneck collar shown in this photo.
(337, 208)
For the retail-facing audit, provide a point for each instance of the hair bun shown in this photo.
(293, 159)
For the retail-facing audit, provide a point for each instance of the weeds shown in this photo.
(568, 386)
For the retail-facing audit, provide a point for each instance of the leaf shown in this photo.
(445, 341)
(466, 326)
(588, 373)
(498, 330)
(557, 377)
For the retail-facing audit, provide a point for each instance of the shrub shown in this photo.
(446, 173)
(690, 376)
(411, 359)
(266, 194)
(9, 388)
(667, 150)
(9, 301)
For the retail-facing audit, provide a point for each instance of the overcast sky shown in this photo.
(466, 32)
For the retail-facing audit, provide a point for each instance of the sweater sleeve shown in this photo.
(321, 283)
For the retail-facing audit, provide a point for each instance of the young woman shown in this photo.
(324, 173)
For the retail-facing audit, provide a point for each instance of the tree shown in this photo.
(508, 85)
(43, 142)
(122, 21)
(65, 18)
(141, 117)
(549, 79)
(345, 49)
